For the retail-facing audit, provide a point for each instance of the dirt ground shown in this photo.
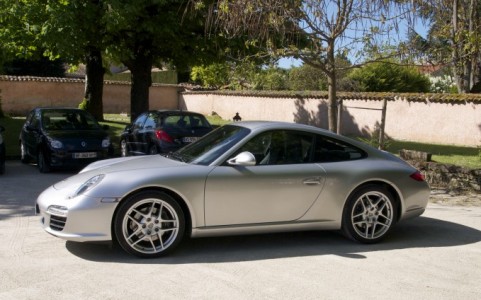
(444, 198)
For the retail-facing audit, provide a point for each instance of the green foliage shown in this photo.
(390, 77)
(307, 78)
(373, 139)
(214, 75)
(41, 66)
(239, 76)
(84, 104)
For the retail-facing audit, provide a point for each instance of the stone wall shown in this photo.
(21, 94)
(453, 179)
(436, 118)
(430, 118)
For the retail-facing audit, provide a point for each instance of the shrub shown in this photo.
(389, 77)
(84, 104)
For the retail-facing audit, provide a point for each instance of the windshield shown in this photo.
(211, 146)
(68, 120)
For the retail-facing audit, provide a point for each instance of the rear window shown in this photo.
(331, 150)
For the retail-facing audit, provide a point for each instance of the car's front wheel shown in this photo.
(124, 151)
(153, 150)
(149, 224)
(23, 153)
(42, 162)
(369, 214)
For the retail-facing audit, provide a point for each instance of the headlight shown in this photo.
(56, 144)
(106, 143)
(88, 185)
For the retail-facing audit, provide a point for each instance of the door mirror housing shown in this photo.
(243, 159)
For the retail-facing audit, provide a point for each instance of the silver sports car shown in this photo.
(242, 178)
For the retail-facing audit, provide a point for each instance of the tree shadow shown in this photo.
(422, 232)
(319, 118)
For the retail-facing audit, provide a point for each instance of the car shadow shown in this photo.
(418, 233)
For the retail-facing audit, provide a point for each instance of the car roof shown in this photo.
(175, 111)
(271, 125)
(57, 108)
(258, 125)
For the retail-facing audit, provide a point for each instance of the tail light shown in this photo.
(418, 176)
(163, 136)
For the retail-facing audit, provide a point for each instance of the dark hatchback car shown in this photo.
(63, 137)
(162, 131)
(2, 151)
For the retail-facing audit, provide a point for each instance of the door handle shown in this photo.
(312, 181)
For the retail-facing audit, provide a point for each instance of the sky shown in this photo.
(419, 27)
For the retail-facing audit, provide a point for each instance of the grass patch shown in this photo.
(447, 154)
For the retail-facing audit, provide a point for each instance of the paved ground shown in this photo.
(437, 256)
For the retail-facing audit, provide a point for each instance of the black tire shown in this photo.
(153, 150)
(23, 154)
(2, 167)
(43, 163)
(369, 214)
(124, 148)
(149, 224)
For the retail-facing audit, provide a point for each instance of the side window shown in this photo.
(331, 150)
(139, 122)
(151, 121)
(280, 147)
(35, 120)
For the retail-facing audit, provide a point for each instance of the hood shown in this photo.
(131, 163)
(75, 134)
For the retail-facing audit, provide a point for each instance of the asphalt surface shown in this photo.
(436, 256)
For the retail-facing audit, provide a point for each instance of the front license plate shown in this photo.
(85, 155)
(189, 139)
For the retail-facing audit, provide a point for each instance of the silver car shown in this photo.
(242, 178)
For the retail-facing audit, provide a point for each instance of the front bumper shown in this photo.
(66, 158)
(79, 219)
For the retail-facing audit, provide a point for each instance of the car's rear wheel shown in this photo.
(149, 224)
(124, 151)
(42, 162)
(369, 214)
(2, 167)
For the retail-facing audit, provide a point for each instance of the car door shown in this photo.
(281, 187)
(31, 133)
(134, 139)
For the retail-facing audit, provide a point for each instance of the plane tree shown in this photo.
(453, 39)
(332, 28)
(72, 30)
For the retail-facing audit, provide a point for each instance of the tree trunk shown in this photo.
(331, 83)
(141, 69)
(94, 84)
(332, 109)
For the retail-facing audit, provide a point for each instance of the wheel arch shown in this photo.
(183, 205)
(395, 192)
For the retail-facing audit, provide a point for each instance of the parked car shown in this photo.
(242, 178)
(162, 131)
(62, 137)
(2, 151)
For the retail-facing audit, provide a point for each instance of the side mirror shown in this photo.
(30, 128)
(2, 129)
(243, 159)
